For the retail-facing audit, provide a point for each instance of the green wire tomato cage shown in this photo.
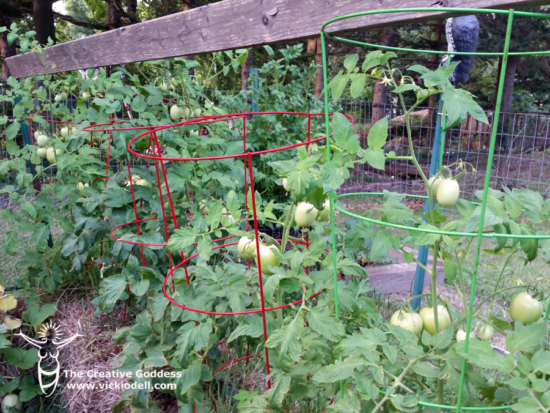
(480, 234)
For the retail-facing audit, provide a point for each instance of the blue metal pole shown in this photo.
(418, 287)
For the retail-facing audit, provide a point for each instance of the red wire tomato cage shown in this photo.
(165, 193)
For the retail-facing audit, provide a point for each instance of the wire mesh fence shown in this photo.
(522, 159)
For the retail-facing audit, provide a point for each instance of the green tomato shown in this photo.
(59, 97)
(176, 112)
(487, 332)
(197, 112)
(324, 214)
(247, 248)
(163, 86)
(85, 95)
(64, 132)
(525, 308)
(73, 130)
(80, 186)
(42, 152)
(186, 112)
(42, 140)
(305, 214)
(143, 182)
(227, 219)
(408, 321)
(461, 335)
(447, 192)
(268, 258)
(434, 184)
(427, 315)
(11, 403)
(285, 185)
(51, 155)
(203, 207)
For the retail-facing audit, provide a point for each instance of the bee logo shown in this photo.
(50, 341)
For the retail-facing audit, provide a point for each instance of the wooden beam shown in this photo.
(229, 24)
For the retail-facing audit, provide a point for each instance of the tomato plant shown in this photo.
(359, 361)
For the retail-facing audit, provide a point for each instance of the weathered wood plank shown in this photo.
(229, 24)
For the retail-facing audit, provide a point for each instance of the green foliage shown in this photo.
(313, 352)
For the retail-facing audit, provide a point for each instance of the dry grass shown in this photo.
(93, 351)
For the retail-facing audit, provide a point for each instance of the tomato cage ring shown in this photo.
(425, 230)
(163, 244)
(227, 313)
(221, 118)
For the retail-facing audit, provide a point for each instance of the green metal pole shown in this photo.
(484, 201)
(331, 193)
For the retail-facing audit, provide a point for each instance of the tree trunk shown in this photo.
(112, 14)
(380, 95)
(43, 20)
(188, 5)
(131, 10)
(5, 50)
(245, 70)
(507, 100)
(319, 74)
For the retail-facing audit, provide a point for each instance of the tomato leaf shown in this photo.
(340, 370)
(527, 338)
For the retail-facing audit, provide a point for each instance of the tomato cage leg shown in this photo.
(138, 231)
(164, 219)
(106, 177)
(256, 234)
(168, 193)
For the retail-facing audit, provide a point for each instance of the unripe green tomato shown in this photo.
(203, 206)
(186, 113)
(227, 219)
(285, 185)
(324, 214)
(59, 97)
(42, 152)
(175, 112)
(85, 95)
(11, 403)
(408, 321)
(163, 86)
(143, 182)
(434, 185)
(51, 155)
(80, 186)
(487, 332)
(42, 140)
(443, 318)
(305, 214)
(461, 335)
(525, 308)
(64, 132)
(247, 248)
(197, 112)
(73, 130)
(268, 258)
(448, 192)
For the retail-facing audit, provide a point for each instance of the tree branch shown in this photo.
(82, 23)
